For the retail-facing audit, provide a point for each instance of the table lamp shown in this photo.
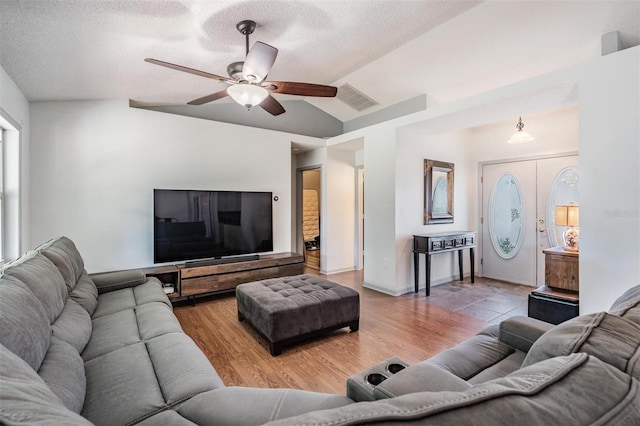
(569, 215)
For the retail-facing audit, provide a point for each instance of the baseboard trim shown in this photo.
(338, 271)
(381, 289)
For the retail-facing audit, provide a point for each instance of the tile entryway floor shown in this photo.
(486, 299)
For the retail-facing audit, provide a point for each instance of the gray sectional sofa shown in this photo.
(107, 349)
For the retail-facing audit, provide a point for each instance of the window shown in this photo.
(10, 133)
(1, 196)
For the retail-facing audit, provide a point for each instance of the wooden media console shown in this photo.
(192, 281)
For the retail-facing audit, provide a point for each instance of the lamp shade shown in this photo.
(520, 136)
(568, 215)
(248, 95)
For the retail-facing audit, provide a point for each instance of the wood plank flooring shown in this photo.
(411, 327)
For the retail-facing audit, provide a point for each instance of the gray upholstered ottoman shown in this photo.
(289, 309)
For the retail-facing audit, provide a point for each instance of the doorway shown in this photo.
(517, 217)
(311, 202)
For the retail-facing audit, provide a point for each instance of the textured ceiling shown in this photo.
(391, 50)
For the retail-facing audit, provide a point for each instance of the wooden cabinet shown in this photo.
(561, 269)
(192, 281)
(558, 300)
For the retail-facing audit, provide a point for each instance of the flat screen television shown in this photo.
(195, 225)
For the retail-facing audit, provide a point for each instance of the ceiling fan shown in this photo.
(247, 85)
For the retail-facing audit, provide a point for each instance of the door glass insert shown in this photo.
(564, 190)
(506, 216)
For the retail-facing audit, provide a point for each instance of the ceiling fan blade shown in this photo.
(187, 70)
(258, 62)
(209, 98)
(301, 89)
(272, 106)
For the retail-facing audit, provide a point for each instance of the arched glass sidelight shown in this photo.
(506, 216)
(564, 190)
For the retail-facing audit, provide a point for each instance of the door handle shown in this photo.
(541, 228)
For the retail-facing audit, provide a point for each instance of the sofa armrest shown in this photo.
(422, 377)
(520, 332)
(110, 281)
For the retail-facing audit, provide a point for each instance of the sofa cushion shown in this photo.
(73, 325)
(166, 417)
(577, 389)
(64, 254)
(44, 280)
(474, 355)
(167, 370)
(419, 377)
(26, 399)
(85, 293)
(251, 406)
(129, 298)
(628, 305)
(24, 326)
(613, 339)
(111, 332)
(63, 371)
(127, 327)
(500, 369)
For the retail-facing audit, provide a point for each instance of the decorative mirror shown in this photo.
(438, 192)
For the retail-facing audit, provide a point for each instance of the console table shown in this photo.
(442, 242)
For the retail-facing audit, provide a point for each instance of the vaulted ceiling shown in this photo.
(391, 50)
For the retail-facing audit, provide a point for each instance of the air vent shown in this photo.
(355, 98)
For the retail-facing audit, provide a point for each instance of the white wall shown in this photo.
(610, 173)
(338, 248)
(556, 132)
(94, 165)
(413, 148)
(606, 91)
(380, 211)
(15, 115)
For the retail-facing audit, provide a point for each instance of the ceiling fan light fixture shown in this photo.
(247, 95)
(520, 136)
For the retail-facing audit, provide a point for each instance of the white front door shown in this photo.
(558, 180)
(509, 209)
(518, 201)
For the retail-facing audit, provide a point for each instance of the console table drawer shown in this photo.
(431, 244)
(437, 245)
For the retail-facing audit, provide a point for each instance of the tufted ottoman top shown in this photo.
(281, 308)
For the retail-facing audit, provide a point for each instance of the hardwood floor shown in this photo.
(411, 327)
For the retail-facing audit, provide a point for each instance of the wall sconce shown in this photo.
(569, 215)
(520, 136)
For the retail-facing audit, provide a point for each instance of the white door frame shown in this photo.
(299, 238)
(359, 249)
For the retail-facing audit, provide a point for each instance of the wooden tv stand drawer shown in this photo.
(208, 279)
